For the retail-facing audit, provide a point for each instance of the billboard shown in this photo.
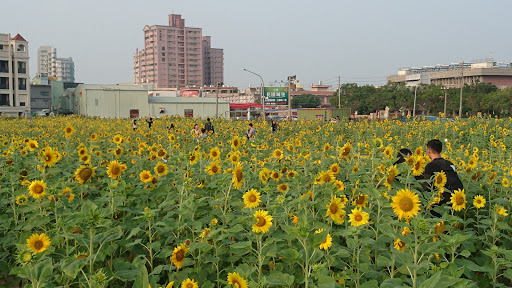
(189, 93)
(276, 95)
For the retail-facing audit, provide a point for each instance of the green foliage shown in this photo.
(305, 101)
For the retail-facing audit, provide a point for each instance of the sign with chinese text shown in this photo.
(276, 95)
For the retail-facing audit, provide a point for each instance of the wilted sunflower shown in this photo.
(84, 174)
(360, 201)
(38, 242)
(282, 187)
(479, 201)
(69, 130)
(145, 176)
(327, 243)
(114, 169)
(399, 245)
(440, 179)
(345, 151)
(213, 168)
(406, 204)
(189, 283)
(238, 176)
(236, 280)
(278, 154)
(37, 189)
(161, 169)
(458, 200)
(178, 255)
(252, 199)
(264, 222)
(358, 217)
(214, 153)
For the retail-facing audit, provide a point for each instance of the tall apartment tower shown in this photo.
(62, 69)
(14, 77)
(213, 63)
(173, 56)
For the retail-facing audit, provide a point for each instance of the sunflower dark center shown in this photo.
(358, 217)
(116, 170)
(333, 208)
(261, 221)
(160, 169)
(215, 169)
(460, 200)
(85, 174)
(405, 204)
(239, 175)
(180, 255)
(38, 244)
(252, 198)
(38, 189)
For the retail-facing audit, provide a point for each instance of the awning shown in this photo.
(242, 106)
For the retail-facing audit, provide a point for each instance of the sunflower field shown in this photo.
(89, 202)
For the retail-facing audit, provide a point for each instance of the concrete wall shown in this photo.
(203, 110)
(40, 97)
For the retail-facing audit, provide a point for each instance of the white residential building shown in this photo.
(62, 69)
(14, 76)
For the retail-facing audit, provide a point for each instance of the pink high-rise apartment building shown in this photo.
(176, 56)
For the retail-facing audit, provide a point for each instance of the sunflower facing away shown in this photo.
(358, 217)
(178, 255)
(114, 169)
(252, 199)
(236, 280)
(458, 200)
(264, 222)
(479, 201)
(38, 242)
(37, 189)
(406, 204)
(161, 169)
(238, 176)
(189, 283)
(327, 243)
(84, 174)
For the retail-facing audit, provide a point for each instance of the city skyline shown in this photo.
(362, 42)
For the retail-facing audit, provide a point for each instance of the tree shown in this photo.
(305, 101)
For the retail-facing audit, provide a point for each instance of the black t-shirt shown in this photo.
(452, 179)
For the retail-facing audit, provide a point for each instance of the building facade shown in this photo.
(213, 63)
(453, 75)
(14, 76)
(173, 56)
(40, 97)
(320, 90)
(62, 69)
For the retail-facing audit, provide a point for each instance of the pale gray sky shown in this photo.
(363, 41)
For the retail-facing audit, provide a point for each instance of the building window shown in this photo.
(22, 67)
(189, 113)
(4, 66)
(4, 83)
(44, 93)
(4, 99)
(22, 103)
(22, 84)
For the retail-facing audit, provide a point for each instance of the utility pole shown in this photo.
(339, 90)
(461, 88)
(217, 100)
(445, 90)
(414, 107)
(290, 78)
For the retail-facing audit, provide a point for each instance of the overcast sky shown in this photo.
(363, 41)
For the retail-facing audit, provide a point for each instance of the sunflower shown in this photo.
(236, 280)
(118, 139)
(22, 200)
(264, 222)
(334, 208)
(325, 177)
(405, 231)
(205, 232)
(38, 242)
(69, 130)
(84, 174)
(327, 243)
(501, 211)
(505, 182)
(94, 137)
(234, 158)
(417, 166)
(189, 283)
(235, 143)
(294, 218)
(360, 201)
(388, 152)
(358, 217)
(114, 169)
(48, 157)
(392, 172)
(170, 284)
(472, 162)
(345, 151)
(282, 187)
(458, 200)
(399, 245)
(264, 175)
(440, 179)
(178, 255)
(479, 201)
(418, 151)
(238, 176)
(252, 199)
(161, 169)
(86, 159)
(492, 177)
(32, 145)
(214, 153)
(275, 175)
(36, 189)
(213, 168)
(335, 168)
(405, 204)
(193, 157)
(278, 154)
(82, 151)
(145, 176)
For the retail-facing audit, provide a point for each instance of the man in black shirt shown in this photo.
(209, 126)
(438, 164)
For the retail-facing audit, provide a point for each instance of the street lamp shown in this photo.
(414, 107)
(219, 84)
(261, 90)
(445, 92)
(290, 79)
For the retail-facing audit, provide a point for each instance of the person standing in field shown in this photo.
(134, 124)
(150, 122)
(209, 126)
(251, 132)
